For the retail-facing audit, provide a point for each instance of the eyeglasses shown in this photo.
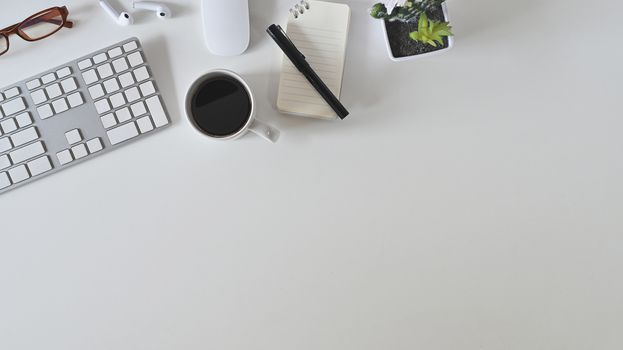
(36, 27)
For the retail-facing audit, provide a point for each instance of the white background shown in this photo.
(472, 200)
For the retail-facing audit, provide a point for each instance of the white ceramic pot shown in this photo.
(444, 7)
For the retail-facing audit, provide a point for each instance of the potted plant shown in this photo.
(414, 28)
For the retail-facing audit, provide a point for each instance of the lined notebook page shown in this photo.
(320, 34)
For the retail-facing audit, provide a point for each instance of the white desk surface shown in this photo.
(472, 200)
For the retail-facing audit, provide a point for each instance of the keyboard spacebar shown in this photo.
(122, 133)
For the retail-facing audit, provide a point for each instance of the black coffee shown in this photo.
(221, 106)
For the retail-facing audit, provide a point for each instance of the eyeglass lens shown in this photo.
(42, 25)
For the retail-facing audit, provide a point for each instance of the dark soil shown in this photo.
(401, 43)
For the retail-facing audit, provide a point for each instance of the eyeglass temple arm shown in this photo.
(65, 12)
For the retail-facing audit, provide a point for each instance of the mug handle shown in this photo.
(265, 131)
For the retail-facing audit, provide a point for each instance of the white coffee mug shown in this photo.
(260, 128)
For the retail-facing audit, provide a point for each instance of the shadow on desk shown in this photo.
(157, 51)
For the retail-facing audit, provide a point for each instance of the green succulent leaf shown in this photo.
(423, 23)
(431, 32)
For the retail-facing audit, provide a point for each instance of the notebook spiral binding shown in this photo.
(299, 8)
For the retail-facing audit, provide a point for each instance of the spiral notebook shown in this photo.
(319, 30)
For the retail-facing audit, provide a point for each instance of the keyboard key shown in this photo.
(102, 106)
(19, 174)
(75, 99)
(38, 97)
(147, 88)
(108, 120)
(48, 78)
(8, 126)
(64, 157)
(117, 100)
(132, 94)
(5, 144)
(138, 109)
(39, 166)
(73, 136)
(115, 52)
(23, 119)
(69, 85)
(141, 74)
(63, 72)
(45, 111)
(4, 180)
(96, 91)
(60, 106)
(24, 136)
(105, 70)
(111, 85)
(89, 76)
(120, 65)
(13, 106)
(122, 133)
(99, 58)
(85, 64)
(144, 124)
(157, 111)
(94, 145)
(53, 91)
(123, 115)
(135, 59)
(27, 152)
(11, 92)
(130, 46)
(33, 84)
(5, 162)
(126, 79)
(79, 151)
(1, 97)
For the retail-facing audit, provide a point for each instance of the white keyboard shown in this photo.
(77, 111)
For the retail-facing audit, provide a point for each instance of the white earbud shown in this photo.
(122, 18)
(162, 11)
